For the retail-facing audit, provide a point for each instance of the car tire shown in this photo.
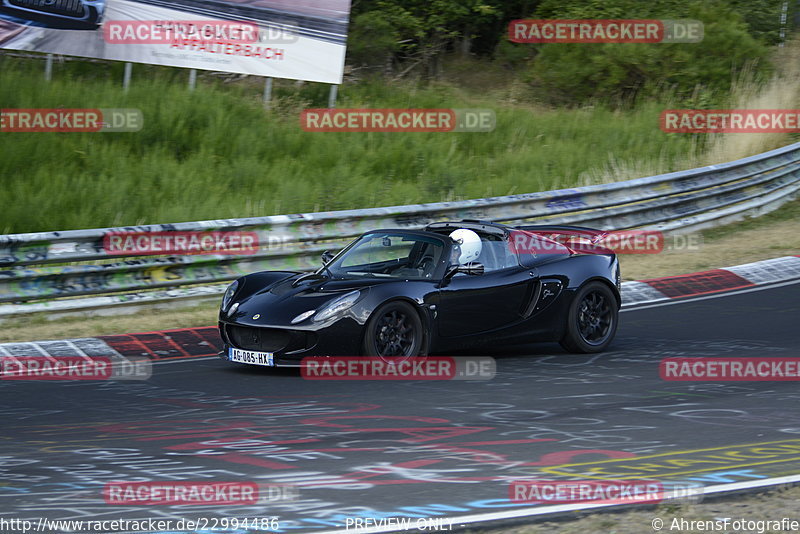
(592, 319)
(394, 331)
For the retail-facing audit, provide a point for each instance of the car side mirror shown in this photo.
(327, 256)
(473, 268)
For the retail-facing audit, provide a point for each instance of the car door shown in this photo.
(475, 304)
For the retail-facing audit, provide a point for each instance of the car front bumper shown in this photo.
(290, 345)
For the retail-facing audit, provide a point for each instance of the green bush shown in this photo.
(575, 73)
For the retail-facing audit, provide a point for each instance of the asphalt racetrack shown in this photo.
(415, 448)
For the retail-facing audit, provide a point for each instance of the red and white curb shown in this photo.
(744, 276)
(182, 343)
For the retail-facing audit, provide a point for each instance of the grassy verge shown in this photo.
(39, 327)
(217, 153)
(773, 235)
(769, 236)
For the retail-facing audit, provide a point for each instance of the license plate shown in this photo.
(251, 356)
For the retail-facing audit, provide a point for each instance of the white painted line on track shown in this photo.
(156, 362)
(706, 297)
(563, 508)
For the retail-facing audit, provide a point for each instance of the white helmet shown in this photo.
(469, 245)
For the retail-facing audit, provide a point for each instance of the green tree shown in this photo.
(573, 73)
(417, 33)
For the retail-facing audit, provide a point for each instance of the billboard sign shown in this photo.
(295, 39)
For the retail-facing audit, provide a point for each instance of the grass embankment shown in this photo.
(769, 236)
(216, 153)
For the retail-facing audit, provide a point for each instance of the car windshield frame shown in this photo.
(392, 268)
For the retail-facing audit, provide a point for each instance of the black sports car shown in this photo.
(453, 285)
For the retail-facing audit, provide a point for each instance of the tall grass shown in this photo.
(216, 153)
(782, 91)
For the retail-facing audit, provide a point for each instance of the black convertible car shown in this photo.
(453, 285)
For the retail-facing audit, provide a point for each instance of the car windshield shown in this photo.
(389, 255)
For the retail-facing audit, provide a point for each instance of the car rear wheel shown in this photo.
(592, 319)
(394, 331)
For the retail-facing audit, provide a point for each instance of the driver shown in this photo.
(468, 246)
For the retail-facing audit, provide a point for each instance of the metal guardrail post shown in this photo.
(126, 77)
(268, 93)
(332, 96)
(48, 68)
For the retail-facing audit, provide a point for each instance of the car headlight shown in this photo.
(337, 306)
(229, 293)
(303, 316)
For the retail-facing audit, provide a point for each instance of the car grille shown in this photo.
(259, 339)
(70, 8)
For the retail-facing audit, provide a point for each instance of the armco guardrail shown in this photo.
(675, 202)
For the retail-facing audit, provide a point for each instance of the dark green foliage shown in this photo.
(411, 36)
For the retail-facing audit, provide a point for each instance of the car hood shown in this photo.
(278, 303)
